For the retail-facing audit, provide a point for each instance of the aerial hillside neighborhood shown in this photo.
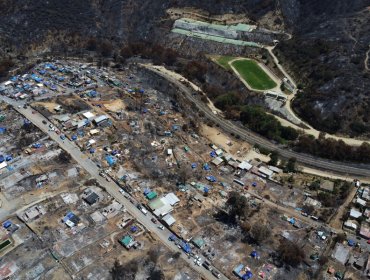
(98, 165)
(184, 140)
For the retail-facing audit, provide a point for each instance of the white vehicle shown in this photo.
(122, 191)
(161, 227)
(144, 211)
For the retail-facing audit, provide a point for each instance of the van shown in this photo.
(144, 211)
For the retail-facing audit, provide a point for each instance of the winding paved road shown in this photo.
(343, 168)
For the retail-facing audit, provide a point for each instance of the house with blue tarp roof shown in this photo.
(7, 224)
(110, 160)
(68, 216)
(206, 167)
(247, 276)
(254, 254)
(92, 93)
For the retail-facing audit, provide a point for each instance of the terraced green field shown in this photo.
(253, 74)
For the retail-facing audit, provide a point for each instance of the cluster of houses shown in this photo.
(242, 167)
(359, 214)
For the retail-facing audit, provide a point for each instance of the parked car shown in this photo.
(154, 220)
(216, 274)
(44, 122)
(207, 265)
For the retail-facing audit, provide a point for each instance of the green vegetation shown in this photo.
(226, 100)
(258, 120)
(223, 61)
(333, 149)
(253, 74)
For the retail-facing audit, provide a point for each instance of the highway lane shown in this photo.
(112, 188)
(343, 168)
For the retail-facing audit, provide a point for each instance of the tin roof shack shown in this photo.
(32, 213)
(71, 220)
(62, 118)
(341, 253)
(265, 172)
(127, 241)
(198, 242)
(360, 202)
(244, 165)
(355, 213)
(90, 197)
(351, 225)
(327, 185)
(169, 220)
(365, 230)
(101, 120)
(88, 115)
(365, 193)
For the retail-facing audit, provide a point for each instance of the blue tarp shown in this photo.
(7, 224)
(213, 154)
(110, 160)
(133, 228)
(92, 93)
(254, 184)
(211, 178)
(141, 91)
(247, 276)
(37, 145)
(292, 221)
(351, 242)
(254, 254)
(42, 72)
(67, 217)
(8, 158)
(146, 191)
(74, 137)
(1, 158)
(185, 246)
(2, 130)
(193, 165)
(114, 152)
(206, 167)
(92, 151)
